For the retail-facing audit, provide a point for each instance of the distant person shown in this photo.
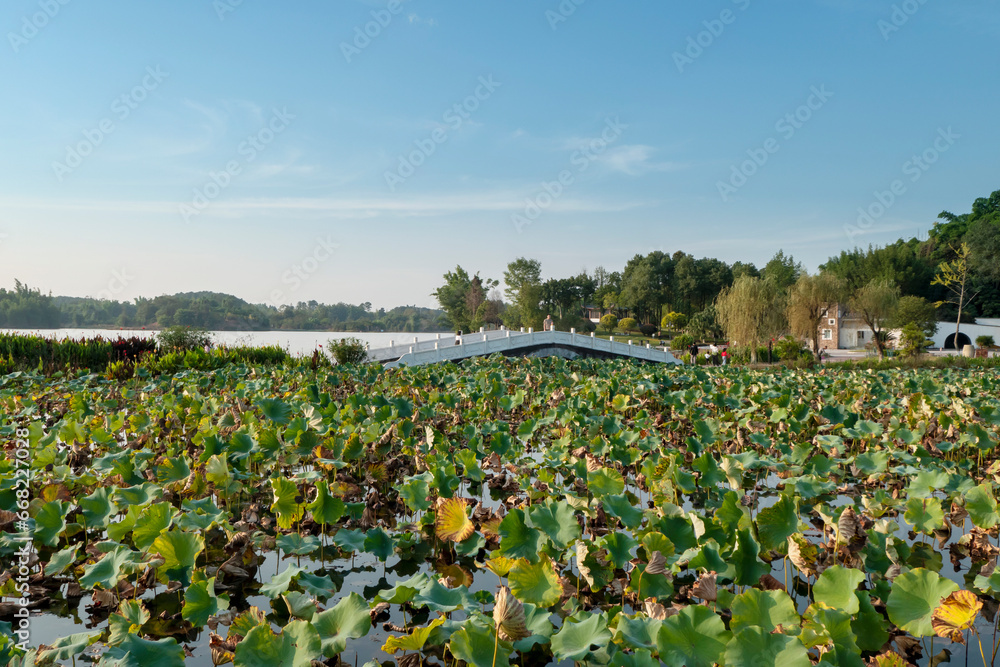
(694, 353)
(458, 338)
(549, 324)
(725, 358)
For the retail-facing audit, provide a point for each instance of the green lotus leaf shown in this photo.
(696, 637)
(61, 560)
(732, 514)
(622, 507)
(822, 625)
(836, 586)
(765, 610)
(776, 523)
(576, 640)
(140, 494)
(300, 605)
(297, 646)
(444, 600)
(348, 619)
(201, 602)
(982, 507)
(179, 551)
(217, 471)
(67, 648)
(639, 658)
(350, 540)
(475, 644)
(759, 648)
(749, 568)
(605, 482)
(557, 520)
(638, 632)
(653, 585)
(276, 410)
(137, 652)
(319, 586)
(245, 622)
(129, 619)
(914, 597)
(517, 539)
(114, 566)
(416, 492)
(870, 627)
(619, 546)
(50, 522)
(404, 591)
(539, 627)
(297, 545)
(151, 523)
(326, 509)
(286, 505)
(378, 543)
(173, 470)
(924, 514)
(537, 583)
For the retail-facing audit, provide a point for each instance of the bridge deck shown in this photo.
(453, 348)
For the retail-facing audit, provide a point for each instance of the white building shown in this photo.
(968, 333)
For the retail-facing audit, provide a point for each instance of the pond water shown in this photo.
(295, 342)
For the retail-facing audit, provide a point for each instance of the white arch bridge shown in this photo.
(569, 345)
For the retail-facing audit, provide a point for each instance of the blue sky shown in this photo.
(276, 152)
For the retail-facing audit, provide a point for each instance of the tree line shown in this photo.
(953, 275)
(27, 308)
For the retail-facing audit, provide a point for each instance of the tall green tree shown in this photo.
(876, 304)
(523, 281)
(783, 270)
(461, 298)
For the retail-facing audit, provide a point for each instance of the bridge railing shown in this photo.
(396, 349)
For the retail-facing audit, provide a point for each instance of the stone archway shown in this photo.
(963, 340)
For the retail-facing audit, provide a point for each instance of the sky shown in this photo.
(354, 150)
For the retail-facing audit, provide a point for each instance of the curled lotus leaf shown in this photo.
(508, 614)
(956, 614)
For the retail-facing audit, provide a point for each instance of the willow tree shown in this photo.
(809, 302)
(751, 312)
(876, 304)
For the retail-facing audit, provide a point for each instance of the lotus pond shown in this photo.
(501, 512)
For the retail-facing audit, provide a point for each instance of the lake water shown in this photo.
(296, 342)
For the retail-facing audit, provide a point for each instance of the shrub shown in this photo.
(788, 349)
(648, 329)
(985, 341)
(608, 323)
(674, 321)
(628, 324)
(913, 341)
(347, 351)
(682, 343)
(183, 338)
